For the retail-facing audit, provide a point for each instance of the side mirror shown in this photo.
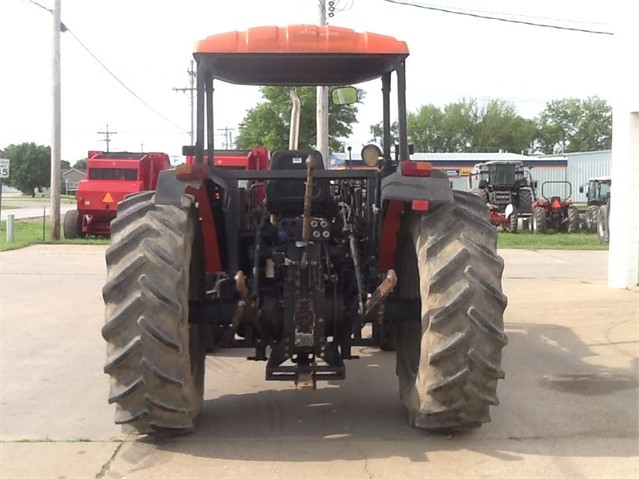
(344, 95)
(188, 150)
(581, 189)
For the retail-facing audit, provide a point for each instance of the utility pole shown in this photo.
(56, 133)
(107, 136)
(322, 103)
(191, 90)
(228, 137)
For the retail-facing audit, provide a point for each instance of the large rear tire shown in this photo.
(525, 201)
(592, 213)
(154, 357)
(603, 230)
(482, 194)
(449, 359)
(72, 225)
(513, 221)
(573, 219)
(539, 221)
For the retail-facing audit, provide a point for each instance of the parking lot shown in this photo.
(569, 403)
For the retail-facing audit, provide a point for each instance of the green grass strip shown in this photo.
(550, 240)
(29, 232)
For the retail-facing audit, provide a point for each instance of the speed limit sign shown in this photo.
(4, 168)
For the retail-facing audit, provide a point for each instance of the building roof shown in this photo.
(72, 171)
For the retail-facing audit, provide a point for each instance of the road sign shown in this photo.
(4, 168)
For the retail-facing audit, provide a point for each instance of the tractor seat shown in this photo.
(555, 201)
(287, 196)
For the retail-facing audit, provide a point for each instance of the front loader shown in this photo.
(302, 264)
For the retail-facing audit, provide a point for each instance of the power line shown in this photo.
(64, 28)
(41, 6)
(499, 19)
(510, 14)
(122, 83)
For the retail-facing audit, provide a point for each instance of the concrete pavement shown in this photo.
(569, 404)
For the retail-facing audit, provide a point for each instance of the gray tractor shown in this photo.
(503, 183)
(598, 196)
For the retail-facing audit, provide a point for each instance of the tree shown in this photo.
(465, 126)
(459, 125)
(573, 124)
(501, 128)
(64, 165)
(81, 164)
(377, 131)
(30, 166)
(268, 123)
(425, 129)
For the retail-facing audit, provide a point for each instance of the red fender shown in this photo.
(212, 261)
(390, 230)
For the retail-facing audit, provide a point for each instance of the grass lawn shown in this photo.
(28, 232)
(551, 240)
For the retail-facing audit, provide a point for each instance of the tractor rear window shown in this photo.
(127, 174)
(502, 174)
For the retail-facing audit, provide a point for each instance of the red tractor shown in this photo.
(110, 177)
(555, 212)
(300, 263)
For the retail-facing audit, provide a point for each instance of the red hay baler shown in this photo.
(110, 177)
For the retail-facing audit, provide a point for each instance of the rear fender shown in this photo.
(435, 189)
(399, 192)
(393, 211)
(170, 190)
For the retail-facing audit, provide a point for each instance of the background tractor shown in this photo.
(603, 223)
(555, 212)
(500, 184)
(598, 195)
(299, 263)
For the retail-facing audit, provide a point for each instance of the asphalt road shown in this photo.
(25, 208)
(569, 404)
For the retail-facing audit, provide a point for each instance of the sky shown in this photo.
(147, 44)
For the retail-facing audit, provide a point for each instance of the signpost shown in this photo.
(4, 173)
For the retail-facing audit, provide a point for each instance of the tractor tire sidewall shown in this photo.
(525, 201)
(592, 213)
(449, 359)
(603, 232)
(572, 224)
(482, 193)
(513, 221)
(155, 358)
(72, 224)
(539, 221)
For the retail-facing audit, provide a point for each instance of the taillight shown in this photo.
(416, 168)
(420, 205)
(192, 172)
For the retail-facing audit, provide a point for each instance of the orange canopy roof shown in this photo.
(301, 39)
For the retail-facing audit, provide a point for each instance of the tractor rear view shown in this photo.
(299, 263)
(598, 196)
(554, 211)
(507, 188)
(110, 177)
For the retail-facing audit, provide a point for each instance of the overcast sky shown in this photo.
(148, 45)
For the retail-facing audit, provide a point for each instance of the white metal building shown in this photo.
(623, 265)
(580, 167)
